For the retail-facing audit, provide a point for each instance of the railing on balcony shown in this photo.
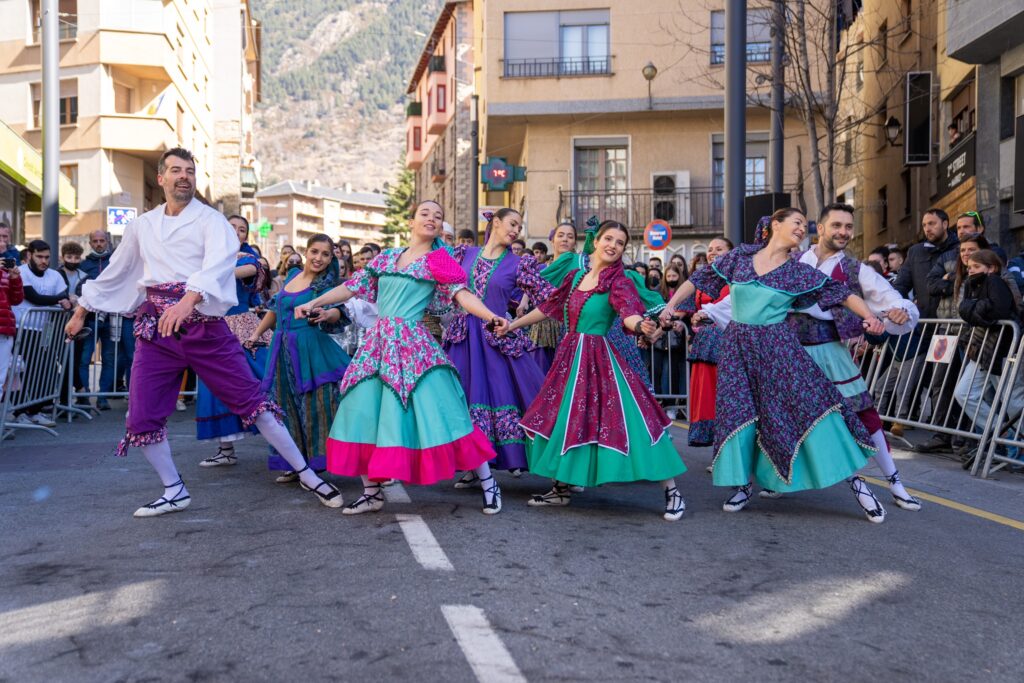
(436, 63)
(552, 68)
(756, 53)
(248, 179)
(413, 109)
(699, 208)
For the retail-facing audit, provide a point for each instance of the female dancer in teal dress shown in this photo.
(778, 418)
(595, 421)
(305, 364)
(403, 414)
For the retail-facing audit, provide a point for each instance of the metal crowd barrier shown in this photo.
(669, 371)
(1006, 447)
(38, 360)
(106, 340)
(919, 379)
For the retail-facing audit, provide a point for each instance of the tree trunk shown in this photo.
(809, 101)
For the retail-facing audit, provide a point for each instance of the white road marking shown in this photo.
(396, 493)
(423, 544)
(486, 654)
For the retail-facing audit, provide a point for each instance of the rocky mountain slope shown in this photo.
(334, 74)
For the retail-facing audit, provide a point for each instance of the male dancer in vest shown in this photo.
(175, 270)
(823, 333)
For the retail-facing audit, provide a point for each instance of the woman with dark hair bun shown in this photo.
(402, 413)
(595, 421)
(778, 418)
(305, 364)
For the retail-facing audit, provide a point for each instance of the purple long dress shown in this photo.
(499, 376)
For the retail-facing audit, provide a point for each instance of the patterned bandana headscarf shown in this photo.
(763, 231)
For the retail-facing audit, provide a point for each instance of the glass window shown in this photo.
(601, 183)
(546, 44)
(759, 45)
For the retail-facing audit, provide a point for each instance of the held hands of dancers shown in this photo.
(897, 315)
(873, 325)
(499, 326)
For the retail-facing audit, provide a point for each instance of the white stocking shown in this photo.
(277, 436)
(883, 456)
(484, 472)
(159, 456)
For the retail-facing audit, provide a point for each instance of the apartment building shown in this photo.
(297, 210)
(565, 103)
(439, 115)
(136, 79)
(981, 114)
(887, 153)
(236, 73)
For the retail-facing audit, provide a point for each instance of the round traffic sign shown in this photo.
(657, 235)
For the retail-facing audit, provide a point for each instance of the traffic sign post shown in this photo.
(657, 235)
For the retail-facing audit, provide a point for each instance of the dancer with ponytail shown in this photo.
(595, 421)
(778, 418)
(214, 420)
(498, 374)
(403, 413)
(305, 363)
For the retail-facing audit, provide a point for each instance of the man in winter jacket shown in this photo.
(92, 265)
(939, 242)
(913, 276)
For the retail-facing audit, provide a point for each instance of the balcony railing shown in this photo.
(414, 109)
(698, 209)
(554, 68)
(436, 63)
(756, 53)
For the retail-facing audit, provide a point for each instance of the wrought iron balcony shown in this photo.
(698, 209)
(756, 53)
(557, 67)
(413, 109)
(436, 63)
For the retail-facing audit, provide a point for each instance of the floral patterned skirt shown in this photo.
(771, 399)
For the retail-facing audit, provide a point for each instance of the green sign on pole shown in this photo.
(264, 228)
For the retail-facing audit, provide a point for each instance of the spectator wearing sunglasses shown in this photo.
(970, 224)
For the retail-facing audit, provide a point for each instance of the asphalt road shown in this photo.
(258, 582)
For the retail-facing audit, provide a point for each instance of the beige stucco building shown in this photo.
(137, 77)
(297, 210)
(236, 77)
(562, 93)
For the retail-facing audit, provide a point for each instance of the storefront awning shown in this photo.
(24, 164)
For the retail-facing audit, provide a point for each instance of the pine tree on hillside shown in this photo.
(398, 201)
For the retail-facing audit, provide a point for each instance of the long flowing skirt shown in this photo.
(308, 415)
(500, 388)
(422, 442)
(703, 380)
(778, 418)
(608, 428)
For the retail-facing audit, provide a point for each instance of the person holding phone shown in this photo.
(305, 365)
(11, 294)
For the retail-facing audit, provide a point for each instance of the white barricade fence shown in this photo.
(946, 377)
(38, 361)
(1006, 447)
(104, 358)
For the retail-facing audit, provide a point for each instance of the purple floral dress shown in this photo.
(499, 375)
(777, 416)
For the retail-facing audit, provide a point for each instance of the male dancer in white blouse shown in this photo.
(175, 269)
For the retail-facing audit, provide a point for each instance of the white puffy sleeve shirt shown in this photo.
(879, 295)
(197, 247)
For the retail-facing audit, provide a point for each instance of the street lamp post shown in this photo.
(649, 72)
(51, 123)
(735, 116)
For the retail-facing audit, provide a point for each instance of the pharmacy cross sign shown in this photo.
(497, 174)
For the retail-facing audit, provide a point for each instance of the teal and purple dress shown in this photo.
(304, 367)
(403, 414)
(778, 418)
(214, 421)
